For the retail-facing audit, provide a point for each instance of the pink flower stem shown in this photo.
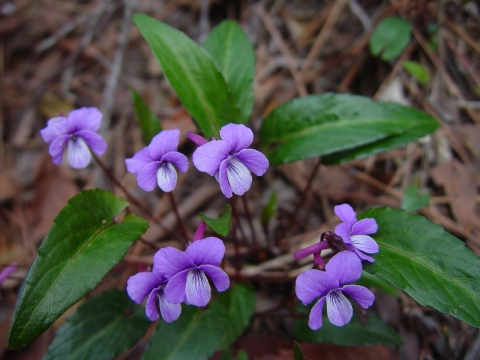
(199, 233)
(315, 248)
(318, 260)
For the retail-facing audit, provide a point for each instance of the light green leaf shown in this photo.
(422, 259)
(101, 328)
(339, 128)
(222, 224)
(240, 303)
(374, 281)
(269, 210)
(195, 335)
(149, 123)
(193, 75)
(418, 71)
(412, 200)
(88, 237)
(390, 38)
(233, 53)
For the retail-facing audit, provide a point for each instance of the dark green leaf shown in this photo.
(193, 75)
(149, 123)
(239, 300)
(373, 332)
(390, 38)
(422, 259)
(339, 128)
(412, 200)
(222, 224)
(231, 50)
(418, 71)
(101, 328)
(228, 355)
(87, 239)
(195, 335)
(269, 210)
(297, 352)
(371, 280)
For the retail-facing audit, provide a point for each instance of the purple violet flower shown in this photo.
(152, 284)
(354, 233)
(78, 133)
(187, 271)
(155, 163)
(229, 160)
(344, 267)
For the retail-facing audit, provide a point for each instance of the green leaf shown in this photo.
(390, 38)
(339, 128)
(371, 280)
(233, 53)
(87, 239)
(269, 210)
(193, 75)
(228, 355)
(373, 332)
(412, 200)
(222, 224)
(195, 335)
(297, 352)
(422, 259)
(418, 71)
(102, 328)
(240, 303)
(149, 123)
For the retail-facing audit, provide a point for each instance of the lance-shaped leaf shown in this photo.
(422, 259)
(101, 328)
(233, 53)
(193, 75)
(195, 335)
(149, 123)
(339, 128)
(221, 225)
(87, 239)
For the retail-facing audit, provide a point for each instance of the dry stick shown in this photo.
(237, 218)
(179, 218)
(304, 193)
(283, 48)
(250, 223)
(462, 34)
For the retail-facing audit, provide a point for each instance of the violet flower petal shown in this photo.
(219, 277)
(78, 153)
(346, 213)
(170, 261)
(58, 145)
(147, 177)
(166, 177)
(343, 230)
(238, 136)
(254, 160)
(94, 141)
(151, 306)
(312, 284)
(364, 226)
(222, 178)
(86, 118)
(206, 251)
(360, 254)
(164, 142)
(7, 271)
(139, 285)
(178, 159)
(197, 290)
(315, 318)
(170, 312)
(345, 266)
(138, 161)
(339, 309)
(55, 127)
(207, 158)
(364, 243)
(360, 294)
(176, 286)
(239, 178)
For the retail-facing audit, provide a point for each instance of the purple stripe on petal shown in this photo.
(138, 161)
(237, 136)
(339, 309)
(147, 177)
(254, 160)
(197, 290)
(364, 243)
(207, 158)
(166, 177)
(93, 140)
(170, 312)
(78, 153)
(164, 142)
(85, 119)
(207, 251)
(175, 289)
(170, 261)
(179, 160)
(313, 284)
(346, 214)
(219, 277)
(151, 306)
(139, 285)
(222, 178)
(360, 294)
(364, 226)
(345, 267)
(238, 176)
(315, 318)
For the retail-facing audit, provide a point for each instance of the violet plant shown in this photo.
(96, 228)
